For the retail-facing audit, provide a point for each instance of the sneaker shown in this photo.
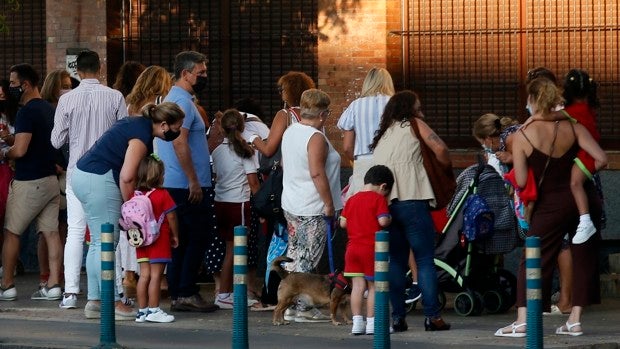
(158, 316)
(399, 325)
(123, 315)
(8, 294)
(585, 230)
(69, 301)
(194, 303)
(289, 314)
(92, 310)
(224, 302)
(53, 293)
(370, 326)
(358, 325)
(413, 293)
(311, 315)
(141, 316)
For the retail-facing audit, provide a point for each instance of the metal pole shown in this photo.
(534, 293)
(107, 338)
(240, 289)
(381, 338)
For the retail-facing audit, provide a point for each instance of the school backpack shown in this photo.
(138, 220)
(478, 218)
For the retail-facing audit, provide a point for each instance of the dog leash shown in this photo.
(330, 252)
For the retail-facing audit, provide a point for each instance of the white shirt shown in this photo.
(231, 184)
(254, 127)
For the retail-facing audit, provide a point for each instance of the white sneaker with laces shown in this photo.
(69, 301)
(159, 316)
(224, 302)
(141, 316)
(48, 294)
(358, 325)
(585, 230)
(311, 315)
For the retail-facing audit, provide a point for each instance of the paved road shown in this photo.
(41, 324)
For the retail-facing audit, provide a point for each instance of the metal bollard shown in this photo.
(107, 338)
(381, 339)
(240, 289)
(534, 293)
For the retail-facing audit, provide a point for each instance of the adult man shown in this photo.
(34, 193)
(82, 116)
(188, 176)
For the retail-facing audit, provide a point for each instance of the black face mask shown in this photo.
(201, 83)
(16, 92)
(170, 135)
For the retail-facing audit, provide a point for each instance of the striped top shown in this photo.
(83, 115)
(363, 116)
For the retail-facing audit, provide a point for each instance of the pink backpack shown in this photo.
(138, 220)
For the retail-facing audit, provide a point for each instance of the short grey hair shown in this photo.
(187, 60)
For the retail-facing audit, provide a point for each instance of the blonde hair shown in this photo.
(378, 81)
(545, 94)
(313, 102)
(150, 173)
(154, 81)
(50, 91)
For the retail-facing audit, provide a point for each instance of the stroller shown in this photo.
(471, 266)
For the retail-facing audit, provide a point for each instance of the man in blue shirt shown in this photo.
(187, 178)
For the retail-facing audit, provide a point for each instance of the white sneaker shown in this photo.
(289, 314)
(311, 315)
(585, 230)
(141, 316)
(370, 326)
(92, 310)
(10, 294)
(48, 294)
(224, 302)
(358, 325)
(158, 316)
(69, 301)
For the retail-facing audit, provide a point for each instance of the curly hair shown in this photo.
(579, 85)
(400, 108)
(154, 81)
(295, 83)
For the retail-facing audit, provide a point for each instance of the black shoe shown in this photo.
(436, 324)
(398, 325)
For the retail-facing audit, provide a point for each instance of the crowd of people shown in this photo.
(72, 154)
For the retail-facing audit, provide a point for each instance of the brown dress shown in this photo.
(556, 214)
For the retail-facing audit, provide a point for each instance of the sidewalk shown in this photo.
(41, 324)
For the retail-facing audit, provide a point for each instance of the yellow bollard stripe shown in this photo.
(107, 275)
(240, 240)
(533, 273)
(533, 294)
(239, 279)
(107, 256)
(240, 260)
(382, 247)
(107, 238)
(532, 253)
(381, 266)
(382, 286)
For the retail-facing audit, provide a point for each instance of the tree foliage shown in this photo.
(7, 7)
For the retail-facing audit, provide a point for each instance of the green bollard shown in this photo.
(240, 289)
(534, 293)
(381, 339)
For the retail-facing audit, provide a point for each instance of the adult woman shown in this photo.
(311, 168)
(396, 147)
(548, 148)
(106, 175)
(488, 130)
(151, 87)
(57, 83)
(360, 121)
(127, 76)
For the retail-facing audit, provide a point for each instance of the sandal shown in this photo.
(567, 329)
(513, 333)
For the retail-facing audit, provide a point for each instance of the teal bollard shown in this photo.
(534, 293)
(240, 289)
(107, 338)
(381, 339)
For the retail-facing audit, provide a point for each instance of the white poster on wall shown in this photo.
(71, 61)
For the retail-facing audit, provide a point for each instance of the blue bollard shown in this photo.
(240, 289)
(534, 293)
(107, 338)
(381, 339)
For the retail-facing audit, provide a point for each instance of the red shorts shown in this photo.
(360, 261)
(229, 215)
(159, 251)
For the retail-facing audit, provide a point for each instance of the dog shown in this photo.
(319, 289)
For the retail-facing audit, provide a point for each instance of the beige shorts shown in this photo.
(36, 200)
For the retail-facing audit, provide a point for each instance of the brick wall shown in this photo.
(75, 24)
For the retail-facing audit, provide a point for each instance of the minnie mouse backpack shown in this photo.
(138, 220)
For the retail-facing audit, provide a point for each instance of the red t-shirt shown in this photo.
(159, 251)
(362, 212)
(584, 115)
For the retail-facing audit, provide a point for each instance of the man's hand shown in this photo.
(195, 192)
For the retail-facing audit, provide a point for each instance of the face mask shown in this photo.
(16, 92)
(201, 83)
(63, 91)
(170, 135)
(529, 109)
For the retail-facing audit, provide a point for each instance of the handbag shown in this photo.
(441, 176)
(267, 201)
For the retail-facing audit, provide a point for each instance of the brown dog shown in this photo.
(317, 288)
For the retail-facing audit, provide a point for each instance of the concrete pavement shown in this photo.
(41, 324)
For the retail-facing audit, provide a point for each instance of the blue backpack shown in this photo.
(478, 218)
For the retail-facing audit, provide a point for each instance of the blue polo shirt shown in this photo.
(175, 176)
(108, 153)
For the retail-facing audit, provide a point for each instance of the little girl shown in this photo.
(153, 258)
(236, 170)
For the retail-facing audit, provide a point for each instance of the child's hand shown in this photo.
(174, 241)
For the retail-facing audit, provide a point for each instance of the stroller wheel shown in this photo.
(493, 301)
(467, 303)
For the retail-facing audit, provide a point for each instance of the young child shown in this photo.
(236, 170)
(364, 214)
(153, 258)
(581, 103)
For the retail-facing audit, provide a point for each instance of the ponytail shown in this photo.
(232, 124)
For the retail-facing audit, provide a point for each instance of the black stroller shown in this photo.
(472, 268)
